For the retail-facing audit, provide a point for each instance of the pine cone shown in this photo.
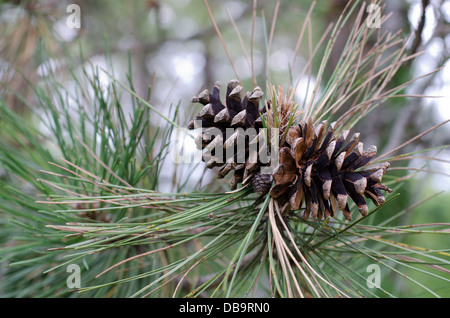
(261, 183)
(316, 167)
(217, 117)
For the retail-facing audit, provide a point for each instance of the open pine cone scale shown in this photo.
(216, 117)
(324, 171)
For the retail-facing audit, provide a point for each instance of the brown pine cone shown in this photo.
(319, 169)
(217, 117)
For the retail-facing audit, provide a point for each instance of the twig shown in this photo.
(219, 34)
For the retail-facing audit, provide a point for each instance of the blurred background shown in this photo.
(174, 48)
